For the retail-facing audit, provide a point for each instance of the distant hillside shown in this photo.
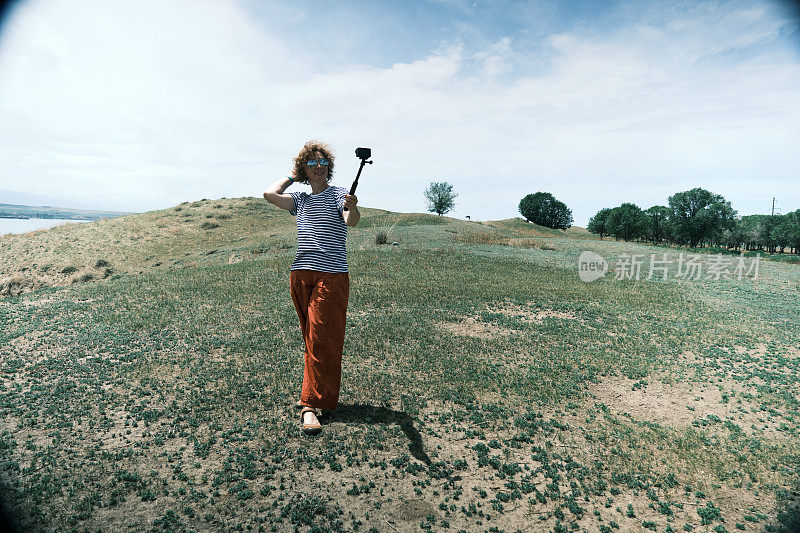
(46, 211)
(26, 198)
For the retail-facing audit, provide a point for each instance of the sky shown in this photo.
(136, 106)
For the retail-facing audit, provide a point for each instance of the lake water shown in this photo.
(24, 225)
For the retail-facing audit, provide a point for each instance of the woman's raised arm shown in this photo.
(274, 194)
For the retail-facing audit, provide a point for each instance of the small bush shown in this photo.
(14, 285)
(69, 269)
(169, 522)
(101, 263)
(381, 237)
(709, 514)
(308, 510)
(209, 225)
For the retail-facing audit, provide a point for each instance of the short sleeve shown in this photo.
(340, 193)
(297, 197)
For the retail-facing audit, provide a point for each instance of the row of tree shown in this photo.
(540, 208)
(694, 218)
(699, 218)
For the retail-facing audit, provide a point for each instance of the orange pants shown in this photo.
(321, 302)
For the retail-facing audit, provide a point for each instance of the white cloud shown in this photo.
(497, 59)
(145, 105)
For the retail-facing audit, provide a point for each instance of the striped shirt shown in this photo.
(321, 231)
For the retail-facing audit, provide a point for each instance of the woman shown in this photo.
(319, 282)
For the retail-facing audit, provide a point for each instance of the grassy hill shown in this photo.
(150, 363)
(213, 232)
(520, 225)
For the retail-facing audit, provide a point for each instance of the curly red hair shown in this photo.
(306, 154)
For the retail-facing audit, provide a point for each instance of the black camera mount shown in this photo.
(363, 154)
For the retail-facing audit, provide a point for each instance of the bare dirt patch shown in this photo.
(479, 327)
(413, 510)
(470, 327)
(529, 313)
(683, 404)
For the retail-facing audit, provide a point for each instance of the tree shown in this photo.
(724, 220)
(736, 236)
(700, 215)
(749, 231)
(626, 221)
(597, 224)
(766, 225)
(440, 197)
(787, 231)
(781, 234)
(656, 223)
(794, 222)
(543, 209)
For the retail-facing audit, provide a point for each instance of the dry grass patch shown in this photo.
(481, 325)
(496, 238)
(17, 284)
(471, 327)
(529, 313)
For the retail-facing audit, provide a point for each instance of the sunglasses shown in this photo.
(313, 162)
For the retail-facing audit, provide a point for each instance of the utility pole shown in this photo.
(773, 206)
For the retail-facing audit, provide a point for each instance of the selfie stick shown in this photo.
(363, 154)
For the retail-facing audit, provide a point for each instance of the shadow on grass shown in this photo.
(367, 414)
(789, 511)
(6, 524)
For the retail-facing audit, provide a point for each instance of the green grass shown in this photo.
(159, 397)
